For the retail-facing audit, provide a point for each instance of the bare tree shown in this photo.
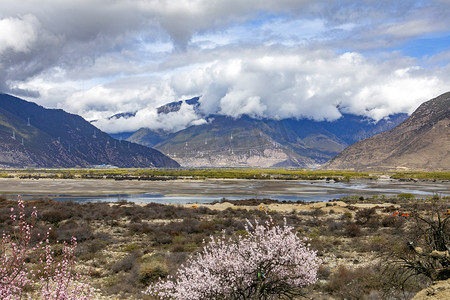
(426, 250)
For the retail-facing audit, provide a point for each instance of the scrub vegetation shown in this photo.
(368, 249)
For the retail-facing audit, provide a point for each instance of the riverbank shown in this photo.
(210, 190)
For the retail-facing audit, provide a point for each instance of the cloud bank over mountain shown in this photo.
(265, 59)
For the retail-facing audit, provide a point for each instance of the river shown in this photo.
(206, 191)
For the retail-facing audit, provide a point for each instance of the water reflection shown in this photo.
(149, 198)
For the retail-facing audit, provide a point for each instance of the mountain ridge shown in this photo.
(249, 142)
(422, 142)
(34, 136)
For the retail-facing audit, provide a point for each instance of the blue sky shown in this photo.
(426, 46)
(265, 59)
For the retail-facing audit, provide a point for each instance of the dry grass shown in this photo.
(127, 246)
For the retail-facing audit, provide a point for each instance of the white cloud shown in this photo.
(266, 83)
(103, 101)
(412, 28)
(18, 34)
(284, 84)
(149, 118)
(273, 59)
(402, 91)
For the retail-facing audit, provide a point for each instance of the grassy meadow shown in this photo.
(171, 174)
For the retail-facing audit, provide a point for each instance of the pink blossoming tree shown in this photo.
(25, 267)
(270, 262)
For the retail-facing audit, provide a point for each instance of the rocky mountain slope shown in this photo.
(420, 143)
(33, 136)
(249, 142)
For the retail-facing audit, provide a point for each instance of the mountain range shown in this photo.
(249, 142)
(422, 142)
(34, 137)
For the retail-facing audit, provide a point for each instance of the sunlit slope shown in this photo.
(420, 143)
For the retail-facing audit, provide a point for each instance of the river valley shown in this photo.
(206, 191)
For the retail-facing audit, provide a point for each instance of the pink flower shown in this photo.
(269, 262)
(59, 280)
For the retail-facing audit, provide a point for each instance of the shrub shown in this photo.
(346, 215)
(392, 221)
(374, 222)
(355, 283)
(152, 270)
(126, 264)
(130, 247)
(353, 230)
(162, 238)
(406, 196)
(362, 216)
(269, 262)
(95, 246)
(66, 230)
(323, 273)
(24, 267)
(334, 226)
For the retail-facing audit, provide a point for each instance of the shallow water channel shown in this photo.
(206, 191)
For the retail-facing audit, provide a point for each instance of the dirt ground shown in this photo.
(438, 291)
(336, 206)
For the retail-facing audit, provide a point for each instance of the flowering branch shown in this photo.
(52, 278)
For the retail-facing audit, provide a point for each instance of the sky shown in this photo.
(265, 59)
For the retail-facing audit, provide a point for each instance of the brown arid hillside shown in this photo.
(422, 142)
